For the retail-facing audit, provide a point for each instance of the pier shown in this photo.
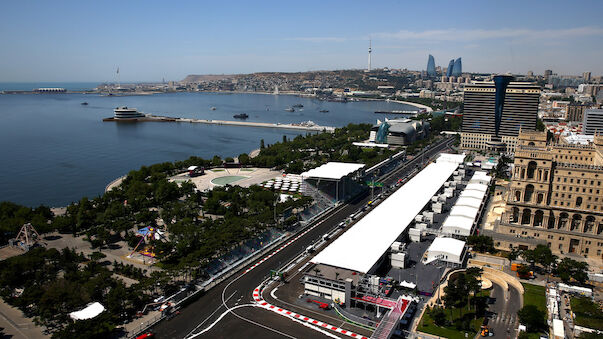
(304, 126)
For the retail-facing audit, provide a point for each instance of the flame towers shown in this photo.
(457, 69)
(450, 68)
(431, 70)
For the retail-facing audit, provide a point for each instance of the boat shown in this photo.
(84, 103)
(324, 111)
(290, 109)
(125, 113)
(241, 116)
(213, 108)
(298, 105)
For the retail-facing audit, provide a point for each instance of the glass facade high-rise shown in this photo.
(457, 70)
(500, 83)
(450, 68)
(494, 112)
(431, 71)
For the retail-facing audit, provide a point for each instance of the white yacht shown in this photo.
(122, 113)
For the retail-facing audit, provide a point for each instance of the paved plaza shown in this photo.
(243, 177)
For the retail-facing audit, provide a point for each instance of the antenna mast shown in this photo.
(369, 55)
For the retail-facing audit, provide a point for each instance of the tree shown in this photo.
(513, 254)
(216, 161)
(262, 145)
(570, 268)
(481, 243)
(438, 316)
(532, 317)
(243, 159)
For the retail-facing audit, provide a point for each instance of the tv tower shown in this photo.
(369, 56)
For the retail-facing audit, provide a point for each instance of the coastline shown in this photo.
(427, 108)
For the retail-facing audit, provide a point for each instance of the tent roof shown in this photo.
(363, 244)
(448, 245)
(332, 170)
(89, 312)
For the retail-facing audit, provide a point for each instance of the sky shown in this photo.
(155, 40)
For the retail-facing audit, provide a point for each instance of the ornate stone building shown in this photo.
(555, 197)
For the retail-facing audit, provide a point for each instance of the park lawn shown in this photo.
(534, 295)
(587, 313)
(427, 325)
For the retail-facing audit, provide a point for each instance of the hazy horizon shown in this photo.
(151, 41)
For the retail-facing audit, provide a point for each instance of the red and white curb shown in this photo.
(257, 297)
(281, 248)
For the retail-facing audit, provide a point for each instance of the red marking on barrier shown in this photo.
(324, 325)
(315, 322)
(306, 319)
(297, 315)
(264, 303)
(280, 309)
(271, 306)
(334, 328)
(344, 331)
(354, 335)
(288, 312)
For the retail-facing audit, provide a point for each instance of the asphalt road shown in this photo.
(252, 322)
(503, 313)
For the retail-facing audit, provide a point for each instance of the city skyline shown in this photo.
(150, 41)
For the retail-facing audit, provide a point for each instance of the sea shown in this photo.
(54, 150)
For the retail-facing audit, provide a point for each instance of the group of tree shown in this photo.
(312, 150)
(13, 216)
(462, 301)
(533, 318)
(566, 269)
(481, 243)
(49, 284)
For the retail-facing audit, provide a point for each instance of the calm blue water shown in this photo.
(54, 150)
(28, 86)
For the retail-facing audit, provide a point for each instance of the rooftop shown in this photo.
(361, 246)
(448, 245)
(332, 170)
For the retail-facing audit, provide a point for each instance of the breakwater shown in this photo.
(305, 126)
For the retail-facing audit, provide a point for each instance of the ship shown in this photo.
(324, 111)
(290, 109)
(84, 103)
(241, 116)
(213, 108)
(298, 105)
(125, 113)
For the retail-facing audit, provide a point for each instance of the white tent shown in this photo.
(407, 284)
(332, 170)
(89, 312)
(446, 249)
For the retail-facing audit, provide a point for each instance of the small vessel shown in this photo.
(125, 113)
(298, 105)
(290, 109)
(324, 111)
(241, 116)
(84, 103)
(213, 108)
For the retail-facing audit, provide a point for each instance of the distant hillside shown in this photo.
(206, 77)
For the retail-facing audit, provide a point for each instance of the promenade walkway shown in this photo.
(16, 325)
